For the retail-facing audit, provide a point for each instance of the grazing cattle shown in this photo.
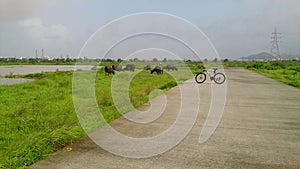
(148, 67)
(130, 67)
(117, 67)
(158, 70)
(109, 70)
(170, 67)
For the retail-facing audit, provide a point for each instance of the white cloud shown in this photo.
(25, 17)
(36, 29)
(54, 38)
(21, 9)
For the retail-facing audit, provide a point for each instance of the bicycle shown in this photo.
(218, 78)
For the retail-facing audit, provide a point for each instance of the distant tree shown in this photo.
(32, 60)
(135, 59)
(215, 60)
(165, 59)
(205, 60)
(107, 60)
(119, 60)
(226, 60)
(154, 59)
(68, 59)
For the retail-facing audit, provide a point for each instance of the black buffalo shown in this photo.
(170, 67)
(158, 70)
(117, 67)
(130, 67)
(148, 67)
(109, 70)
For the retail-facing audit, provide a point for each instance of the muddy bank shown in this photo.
(28, 69)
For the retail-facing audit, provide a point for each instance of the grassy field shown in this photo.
(286, 72)
(38, 118)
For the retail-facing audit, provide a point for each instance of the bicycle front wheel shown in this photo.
(219, 78)
(200, 77)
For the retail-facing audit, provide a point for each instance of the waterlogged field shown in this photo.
(38, 118)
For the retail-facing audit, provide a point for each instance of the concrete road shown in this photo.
(260, 128)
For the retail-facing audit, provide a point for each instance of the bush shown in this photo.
(267, 65)
(256, 65)
(284, 71)
(278, 65)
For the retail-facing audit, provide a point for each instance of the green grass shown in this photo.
(38, 118)
(33, 115)
(287, 72)
(289, 77)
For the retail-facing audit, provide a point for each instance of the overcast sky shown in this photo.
(61, 27)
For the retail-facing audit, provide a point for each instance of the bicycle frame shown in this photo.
(210, 74)
(215, 76)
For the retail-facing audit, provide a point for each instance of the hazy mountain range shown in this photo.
(265, 55)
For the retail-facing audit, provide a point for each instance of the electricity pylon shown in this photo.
(275, 52)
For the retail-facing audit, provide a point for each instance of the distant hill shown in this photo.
(262, 55)
(265, 55)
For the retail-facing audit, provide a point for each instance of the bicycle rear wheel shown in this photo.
(219, 78)
(200, 77)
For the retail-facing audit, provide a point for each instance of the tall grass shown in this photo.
(38, 118)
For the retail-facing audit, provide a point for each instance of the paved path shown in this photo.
(260, 128)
